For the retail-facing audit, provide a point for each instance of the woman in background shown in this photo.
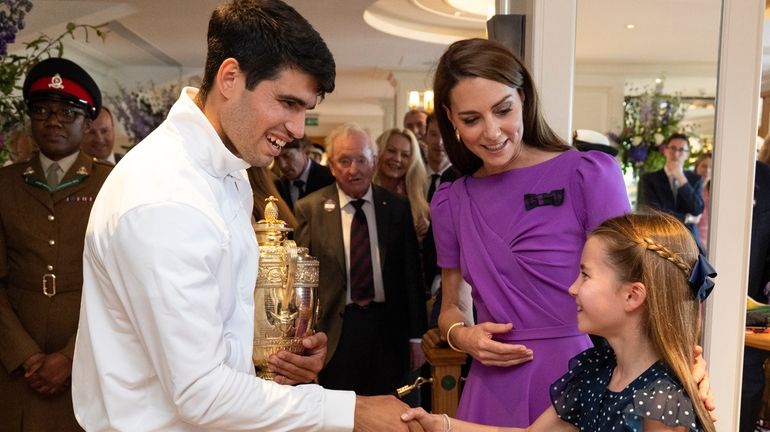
(400, 170)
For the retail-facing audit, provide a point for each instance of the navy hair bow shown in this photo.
(700, 279)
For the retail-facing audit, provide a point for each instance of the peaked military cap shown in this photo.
(63, 80)
(586, 139)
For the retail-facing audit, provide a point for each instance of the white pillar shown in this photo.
(549, 53)
(732, 189)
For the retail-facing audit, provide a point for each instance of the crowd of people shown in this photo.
(475, 227)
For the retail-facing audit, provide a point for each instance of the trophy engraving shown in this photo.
(285, 301)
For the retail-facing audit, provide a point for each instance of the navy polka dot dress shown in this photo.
(581, 396)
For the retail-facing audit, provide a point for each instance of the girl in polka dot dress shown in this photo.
(640, 286)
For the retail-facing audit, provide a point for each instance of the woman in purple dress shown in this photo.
(513, 227)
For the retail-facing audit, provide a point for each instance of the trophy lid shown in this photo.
(271, 230)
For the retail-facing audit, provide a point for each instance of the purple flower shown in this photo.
(638, 153)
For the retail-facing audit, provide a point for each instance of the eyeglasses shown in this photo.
(66, 115)
(679, 149)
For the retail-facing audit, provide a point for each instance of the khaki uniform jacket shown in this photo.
(41, 247)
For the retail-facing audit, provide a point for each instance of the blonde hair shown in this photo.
(658, 251)
(415, 177)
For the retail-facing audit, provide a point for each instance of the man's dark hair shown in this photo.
(265, 37)
(677, 135)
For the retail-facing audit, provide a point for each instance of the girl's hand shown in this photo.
(477, 341)
(429, 422)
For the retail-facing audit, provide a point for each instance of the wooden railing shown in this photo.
(445, 365)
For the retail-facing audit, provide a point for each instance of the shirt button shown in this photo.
(51, 217)
(49, 267)
(51, 242)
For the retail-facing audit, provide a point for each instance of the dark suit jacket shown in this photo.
(759, 260)
(655, 192)
(318, 177)
(320, 230)
(429, 258)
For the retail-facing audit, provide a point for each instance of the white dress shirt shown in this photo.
(167, 316)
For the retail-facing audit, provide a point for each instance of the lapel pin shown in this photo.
(329, 205)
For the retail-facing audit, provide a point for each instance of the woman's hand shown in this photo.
(421, 228)
(477, 341)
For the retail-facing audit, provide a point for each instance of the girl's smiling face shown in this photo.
(598, 291)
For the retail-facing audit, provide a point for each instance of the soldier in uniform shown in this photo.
(43, 216)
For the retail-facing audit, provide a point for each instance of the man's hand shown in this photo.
(297, 369)
(52, 375)
(32, 364)
(382, 414)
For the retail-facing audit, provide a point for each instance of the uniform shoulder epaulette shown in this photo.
(103, 162)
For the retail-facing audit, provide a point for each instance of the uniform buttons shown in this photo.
(51, 217)
(51, 242)
(49, 267)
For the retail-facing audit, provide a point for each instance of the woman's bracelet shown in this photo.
(447, 422)
(448, 332)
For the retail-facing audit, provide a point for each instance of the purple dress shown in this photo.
(517, 237)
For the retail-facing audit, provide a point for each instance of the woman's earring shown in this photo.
(457, 135)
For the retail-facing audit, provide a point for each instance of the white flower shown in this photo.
(659, 138)
(635, 141)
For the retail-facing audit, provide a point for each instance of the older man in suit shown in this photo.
(370, 288)
(673, 189)
(43, 216)
(299, 174)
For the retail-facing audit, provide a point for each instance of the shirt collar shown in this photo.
(441, 170)
(65, 163)
(345, 199)
(201, 140)
(305, 173)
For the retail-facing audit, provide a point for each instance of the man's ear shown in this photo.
(635, 295)
(88, 125)
(227, 77)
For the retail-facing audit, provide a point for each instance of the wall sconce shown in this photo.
(422, 101)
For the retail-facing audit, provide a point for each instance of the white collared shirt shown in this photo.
(167, 314)
(346, 212)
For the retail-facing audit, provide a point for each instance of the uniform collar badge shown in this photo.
(81, 171)
(28, 172)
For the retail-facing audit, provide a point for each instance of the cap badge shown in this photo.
(56, 82)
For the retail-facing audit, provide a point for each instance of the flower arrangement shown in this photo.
(14, 67)
(142, 110)
(647, 120)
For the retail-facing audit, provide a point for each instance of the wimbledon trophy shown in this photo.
(285, 299)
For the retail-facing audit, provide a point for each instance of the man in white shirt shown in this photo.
(99, 142)
(170, 261)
